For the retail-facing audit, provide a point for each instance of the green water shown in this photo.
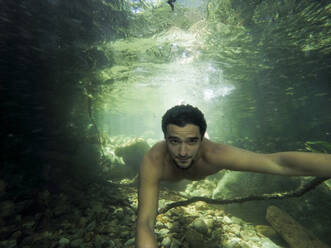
(80, 78)
(256, 68)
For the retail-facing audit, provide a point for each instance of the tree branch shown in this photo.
(275, 196)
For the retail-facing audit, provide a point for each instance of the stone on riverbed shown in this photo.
(291, 231)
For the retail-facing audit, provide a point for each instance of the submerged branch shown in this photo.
(275, 196)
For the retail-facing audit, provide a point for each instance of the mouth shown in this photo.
(183, 160)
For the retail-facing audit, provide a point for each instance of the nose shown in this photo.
(182, 150)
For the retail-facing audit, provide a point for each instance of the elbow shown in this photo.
(287, 165)
(279, 165)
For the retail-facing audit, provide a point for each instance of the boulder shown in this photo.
(266, 231)
(200, 226)
(291, 231)
(132, 154)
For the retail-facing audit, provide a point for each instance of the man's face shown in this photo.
(183, 144)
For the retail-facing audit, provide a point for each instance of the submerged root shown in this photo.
(275, 196)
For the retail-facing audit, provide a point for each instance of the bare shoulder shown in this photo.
(210, 147)
(217, 153)
(230, 157)
(157, 152)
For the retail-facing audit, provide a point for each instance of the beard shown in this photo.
(183, 168)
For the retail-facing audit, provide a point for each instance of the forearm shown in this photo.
(145, 236)
(304, 163)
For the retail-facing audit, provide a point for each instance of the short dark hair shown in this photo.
(181, 115)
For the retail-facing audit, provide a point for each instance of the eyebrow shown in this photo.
(189, 138)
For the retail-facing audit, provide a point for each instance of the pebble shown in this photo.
(166, 242)
(76, 243)
(129, 242)
(163, 231)
(64, 241)
(231, 243)
(227, 220)
(200, 226)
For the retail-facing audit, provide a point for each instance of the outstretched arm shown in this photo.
(281, 163)
(147, 204)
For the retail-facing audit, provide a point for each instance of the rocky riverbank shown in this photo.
(103, 215)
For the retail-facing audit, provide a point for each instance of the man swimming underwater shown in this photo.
(171, 3)
(187, 154)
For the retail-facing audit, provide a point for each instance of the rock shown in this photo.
(88, 237)
(119, 213)
(175, 243)
(107, 228)
(291, 231)
(235, 228)
(28, 223)
(6, 231)
(7, 208)
(236, 220)
(124, 234)
(250, 184)
(61, 210)
(248, 235)
(201, 205)
(64, 242)
(232, 228)
(82, 222)
(227, 220)
(99, 241)
(76, 243)
(166, 242)
(244, 244)
(200, 226)
(209, 223)
(8, 244)
(91, 226)
(231, 243)
(132, 154)
(16, 235)
(97, 207)
(111, 244)
(266, 231)
(194, 238)
(267, 243)
(163, 231)
(129, 242)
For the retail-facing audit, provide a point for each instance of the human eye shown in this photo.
(173, 141)
(193, 141)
